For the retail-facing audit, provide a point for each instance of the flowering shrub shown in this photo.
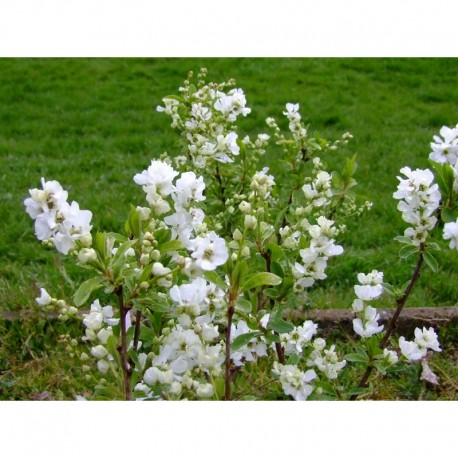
(193, 290)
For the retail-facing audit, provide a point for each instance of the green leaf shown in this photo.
(243, 339)
(389, 289)
(431, 261)
(293, 359)
(154, 302)
(272, 293)
(244, 305)
(279, 325)
(448, 215)
(171, 245)
(133, 224)
(407, 251)
(276, 252)
(240, 272)
(119, 260)
(147, 334)
(261, 279)
(277, 269)
(434, 246)
(357, 358)
(403, 239)
(213, 277)
(99, 244)
(86, 288)
(380, 367)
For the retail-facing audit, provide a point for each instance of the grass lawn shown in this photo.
(91, 124)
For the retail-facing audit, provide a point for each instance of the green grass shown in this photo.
(92, 124)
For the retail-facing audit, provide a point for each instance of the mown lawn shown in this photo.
(92, 124)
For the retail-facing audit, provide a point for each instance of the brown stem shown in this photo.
(401, 302)
(126, 371)
(392, 324)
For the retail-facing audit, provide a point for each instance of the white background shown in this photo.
(287, 28)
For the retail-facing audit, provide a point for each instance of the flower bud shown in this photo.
(250, 222)
(245, 207)
(144, 259)
(99, 351)
(86, 240)
(103, 366)
(87, 255)
(175, 388)
(204, 390)
(245, 252)
(155, 255)
(237, 236)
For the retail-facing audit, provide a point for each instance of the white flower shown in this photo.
(445, 149)
(391, 356)
(373, 278)
(99, 351)
(204, 390)
(294, 382)
(104, 334)
(210, 251)
(367, 329)
(155, 375)
(292, 111)
(368, 292)
(190, 296)
(188, 189)
(427, 338)
(451, 233)
(103, 366)
(50, 198)
(411, 350)
(160, 175)
(44, 299)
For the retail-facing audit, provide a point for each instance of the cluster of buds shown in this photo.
(52, 304)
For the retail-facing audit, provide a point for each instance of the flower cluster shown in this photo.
(294, 382)
(208, 250)
(425, 339)
(99, 324)
(419, 199)
(205, 117)
(445, 148)
(325, 360)
(370, 288)
(57, 222)
(296, 340)
(191, 346)
(315, 257)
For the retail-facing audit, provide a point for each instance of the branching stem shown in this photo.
(392, 324)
